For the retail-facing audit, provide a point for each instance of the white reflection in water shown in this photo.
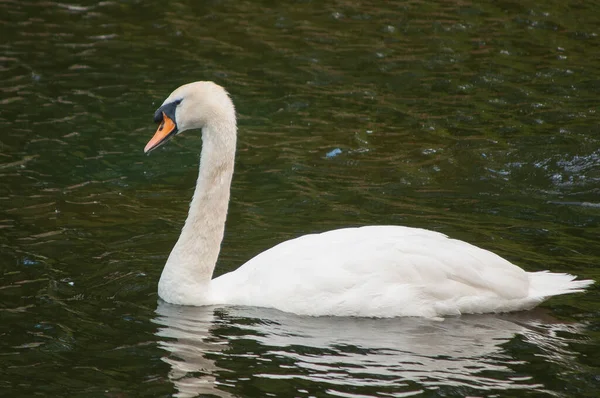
(403, 353)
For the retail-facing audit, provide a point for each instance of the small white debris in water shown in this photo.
(333, 153)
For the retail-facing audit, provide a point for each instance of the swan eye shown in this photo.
(169, 109)
(158, 116)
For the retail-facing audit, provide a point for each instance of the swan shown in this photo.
(370, 271)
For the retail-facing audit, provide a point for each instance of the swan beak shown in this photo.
(166, 130)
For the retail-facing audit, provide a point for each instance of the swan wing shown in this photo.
(376, 271)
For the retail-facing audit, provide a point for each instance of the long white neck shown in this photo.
(188, 271)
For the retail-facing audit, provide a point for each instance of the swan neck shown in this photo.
(189, 268)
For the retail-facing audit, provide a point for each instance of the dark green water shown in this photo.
(479, 120)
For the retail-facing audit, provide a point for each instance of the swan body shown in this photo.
(373, 271)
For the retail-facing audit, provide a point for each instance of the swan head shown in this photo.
(191, 106)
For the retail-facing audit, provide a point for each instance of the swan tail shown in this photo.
(544, 284)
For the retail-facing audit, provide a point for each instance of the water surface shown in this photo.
(476, 120)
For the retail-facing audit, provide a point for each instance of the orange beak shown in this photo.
(166, 129)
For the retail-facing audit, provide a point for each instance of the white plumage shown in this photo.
(386, 271)
(374, 271)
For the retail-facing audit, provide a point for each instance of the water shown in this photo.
(479, 121)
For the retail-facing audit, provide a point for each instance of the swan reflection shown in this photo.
(209, 348)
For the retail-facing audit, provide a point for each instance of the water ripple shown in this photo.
(347, 356)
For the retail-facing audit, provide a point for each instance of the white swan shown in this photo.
(374, 271)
